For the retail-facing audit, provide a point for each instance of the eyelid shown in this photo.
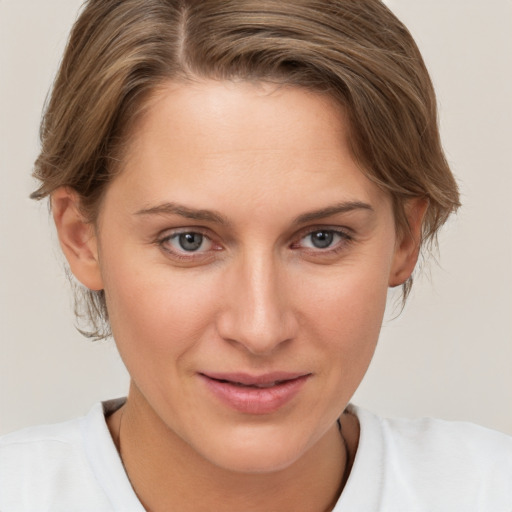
(341, 230)
(170, 234)
(346, 235)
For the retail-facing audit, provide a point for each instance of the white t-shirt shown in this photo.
(401, 465)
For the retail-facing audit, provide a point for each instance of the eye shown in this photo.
(323, 239)
(186, 242)
(190, 241)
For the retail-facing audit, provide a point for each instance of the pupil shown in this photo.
(322, 239)
(190, 241)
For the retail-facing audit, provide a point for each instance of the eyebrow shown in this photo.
(344, 207)
(184, 211)
(212, 216)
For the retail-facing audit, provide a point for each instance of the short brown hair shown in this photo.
(356, 51)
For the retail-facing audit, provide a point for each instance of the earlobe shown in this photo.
(409, 242)
(77, 238)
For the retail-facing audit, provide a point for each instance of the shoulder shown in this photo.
(474, 451)
(425, 431)
(46, 447)
(49, 468)
(440, 465)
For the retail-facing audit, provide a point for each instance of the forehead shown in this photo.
(260, 114)
(243, 139)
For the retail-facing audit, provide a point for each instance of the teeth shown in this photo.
(261, 386)
(269, 385)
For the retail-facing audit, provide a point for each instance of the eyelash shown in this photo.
(184, 255)
(344, 239)
(337, 247)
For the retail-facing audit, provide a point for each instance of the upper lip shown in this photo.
(255, 380)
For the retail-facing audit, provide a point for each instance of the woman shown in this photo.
(236, 185)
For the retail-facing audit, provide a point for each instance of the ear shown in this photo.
(77, 238)
(408, 242)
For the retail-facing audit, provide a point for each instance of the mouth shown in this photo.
(265, 380)
(258, 386)
(251, 394)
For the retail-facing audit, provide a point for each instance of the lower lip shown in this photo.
(253, 400)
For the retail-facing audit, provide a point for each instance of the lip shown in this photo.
(255, 394)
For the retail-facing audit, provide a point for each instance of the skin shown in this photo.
(274, 166)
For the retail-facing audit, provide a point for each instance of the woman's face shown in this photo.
(245, 260)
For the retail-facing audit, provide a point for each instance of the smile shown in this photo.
(248, 394)
(260, 386)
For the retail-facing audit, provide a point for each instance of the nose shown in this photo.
(257, 313)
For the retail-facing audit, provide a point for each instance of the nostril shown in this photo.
(257, 315)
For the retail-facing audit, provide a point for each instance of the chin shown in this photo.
(251, 451)
(256, 462)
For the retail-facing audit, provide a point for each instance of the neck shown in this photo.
(168, 474)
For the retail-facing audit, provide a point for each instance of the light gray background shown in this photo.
(449, 354)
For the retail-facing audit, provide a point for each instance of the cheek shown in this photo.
(350, 301)
(155, 311)
(344, 314)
